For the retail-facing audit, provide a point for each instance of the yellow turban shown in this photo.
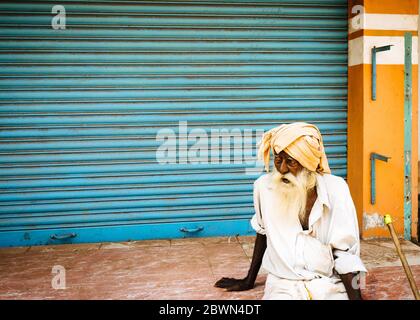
(302, 141)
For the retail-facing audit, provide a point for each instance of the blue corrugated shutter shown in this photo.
(81, 107)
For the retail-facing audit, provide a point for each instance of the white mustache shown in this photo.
(304, 179)
(289, 177)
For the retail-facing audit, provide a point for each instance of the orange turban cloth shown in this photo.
(302, 141)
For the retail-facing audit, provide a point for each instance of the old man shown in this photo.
(307, 231)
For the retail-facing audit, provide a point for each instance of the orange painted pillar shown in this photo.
(378, 126)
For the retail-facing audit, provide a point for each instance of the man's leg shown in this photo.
(284, 289)
(327, 289)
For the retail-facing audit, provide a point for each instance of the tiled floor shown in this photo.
(171, 269)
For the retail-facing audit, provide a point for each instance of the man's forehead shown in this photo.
(282, 154)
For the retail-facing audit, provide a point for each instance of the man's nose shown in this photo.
(283, 167)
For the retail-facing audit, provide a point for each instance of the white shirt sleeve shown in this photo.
(344, 238)
(257, 222)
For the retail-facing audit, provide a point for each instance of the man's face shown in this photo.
(285, 164)
(291, 182)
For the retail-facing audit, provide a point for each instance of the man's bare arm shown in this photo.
(347, 278)
(248, 282)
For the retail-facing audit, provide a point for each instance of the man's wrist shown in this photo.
(250, 280)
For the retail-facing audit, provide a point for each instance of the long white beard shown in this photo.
(292, 196)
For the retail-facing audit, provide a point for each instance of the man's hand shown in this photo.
(247, 283)
(231, 284)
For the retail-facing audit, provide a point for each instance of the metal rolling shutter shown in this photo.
(81, 107)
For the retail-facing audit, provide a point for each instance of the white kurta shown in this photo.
(300, 260)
